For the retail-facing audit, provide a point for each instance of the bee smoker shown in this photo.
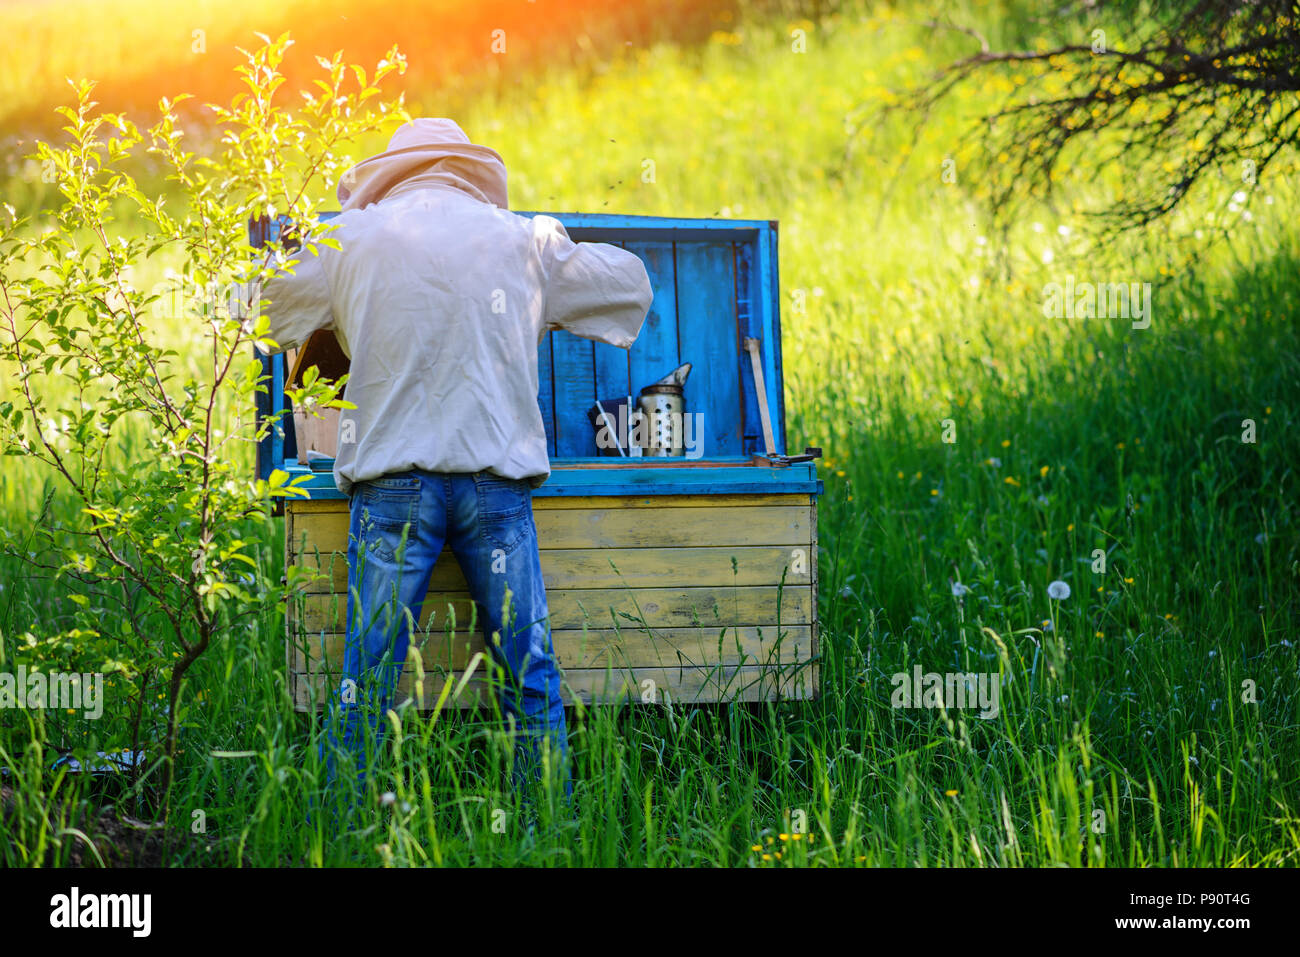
(663, 406)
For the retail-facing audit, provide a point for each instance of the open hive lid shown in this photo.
(715, 285)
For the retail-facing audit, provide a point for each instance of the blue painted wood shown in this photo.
(574, 373)
(655, 352)
(285, 421)
(749, 321)
(612, 367)
(612, 376)
(290, 433)
(770, 298)
(266, 402)
(648, 480)
(606, 227)
(271, 449)
(708, 338)
(264, 409)
(546, 392)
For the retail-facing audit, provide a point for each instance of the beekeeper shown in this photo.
(440, 296)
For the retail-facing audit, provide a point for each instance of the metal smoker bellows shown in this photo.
(664, 406)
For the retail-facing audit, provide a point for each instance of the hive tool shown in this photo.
(773, 456)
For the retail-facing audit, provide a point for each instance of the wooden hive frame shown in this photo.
(694, 580)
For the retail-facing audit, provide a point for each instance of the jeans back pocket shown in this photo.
(389, 503)
(505, 510)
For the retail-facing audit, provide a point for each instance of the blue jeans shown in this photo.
(398, 525)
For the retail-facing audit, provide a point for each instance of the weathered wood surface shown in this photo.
(606, 567)
(614, 527)
(671, 589)
(597, 648)
(667, 607)
(589, 685)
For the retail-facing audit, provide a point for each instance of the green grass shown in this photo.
(1071, 435)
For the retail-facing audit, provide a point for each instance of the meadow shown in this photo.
(977, 450)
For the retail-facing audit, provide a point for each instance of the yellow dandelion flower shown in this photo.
(756, 847)
(767, 857)
(1010, 480)
(1070, 527)
(1042, 473)
(934, 491)
(784, 837)
(951, 794)
(1006, 443)
(1128, 581)
(1098, 634)
(840, 473)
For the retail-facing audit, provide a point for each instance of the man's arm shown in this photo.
(593, 290)
(299, 303)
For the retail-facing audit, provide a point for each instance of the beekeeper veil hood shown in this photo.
(432, 151)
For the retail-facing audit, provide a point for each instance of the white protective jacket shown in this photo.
(440, 300)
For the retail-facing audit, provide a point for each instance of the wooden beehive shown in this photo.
(693, 579)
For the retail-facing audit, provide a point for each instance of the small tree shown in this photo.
(163, 534)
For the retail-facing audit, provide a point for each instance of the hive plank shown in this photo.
(607, 567)
(593, 685)
(546, 392)
(709, 338)
(667, 607)
(573, 367)
(655, 352)
(612, 527)
(611, 369)
(543, 502)
(594, 648)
